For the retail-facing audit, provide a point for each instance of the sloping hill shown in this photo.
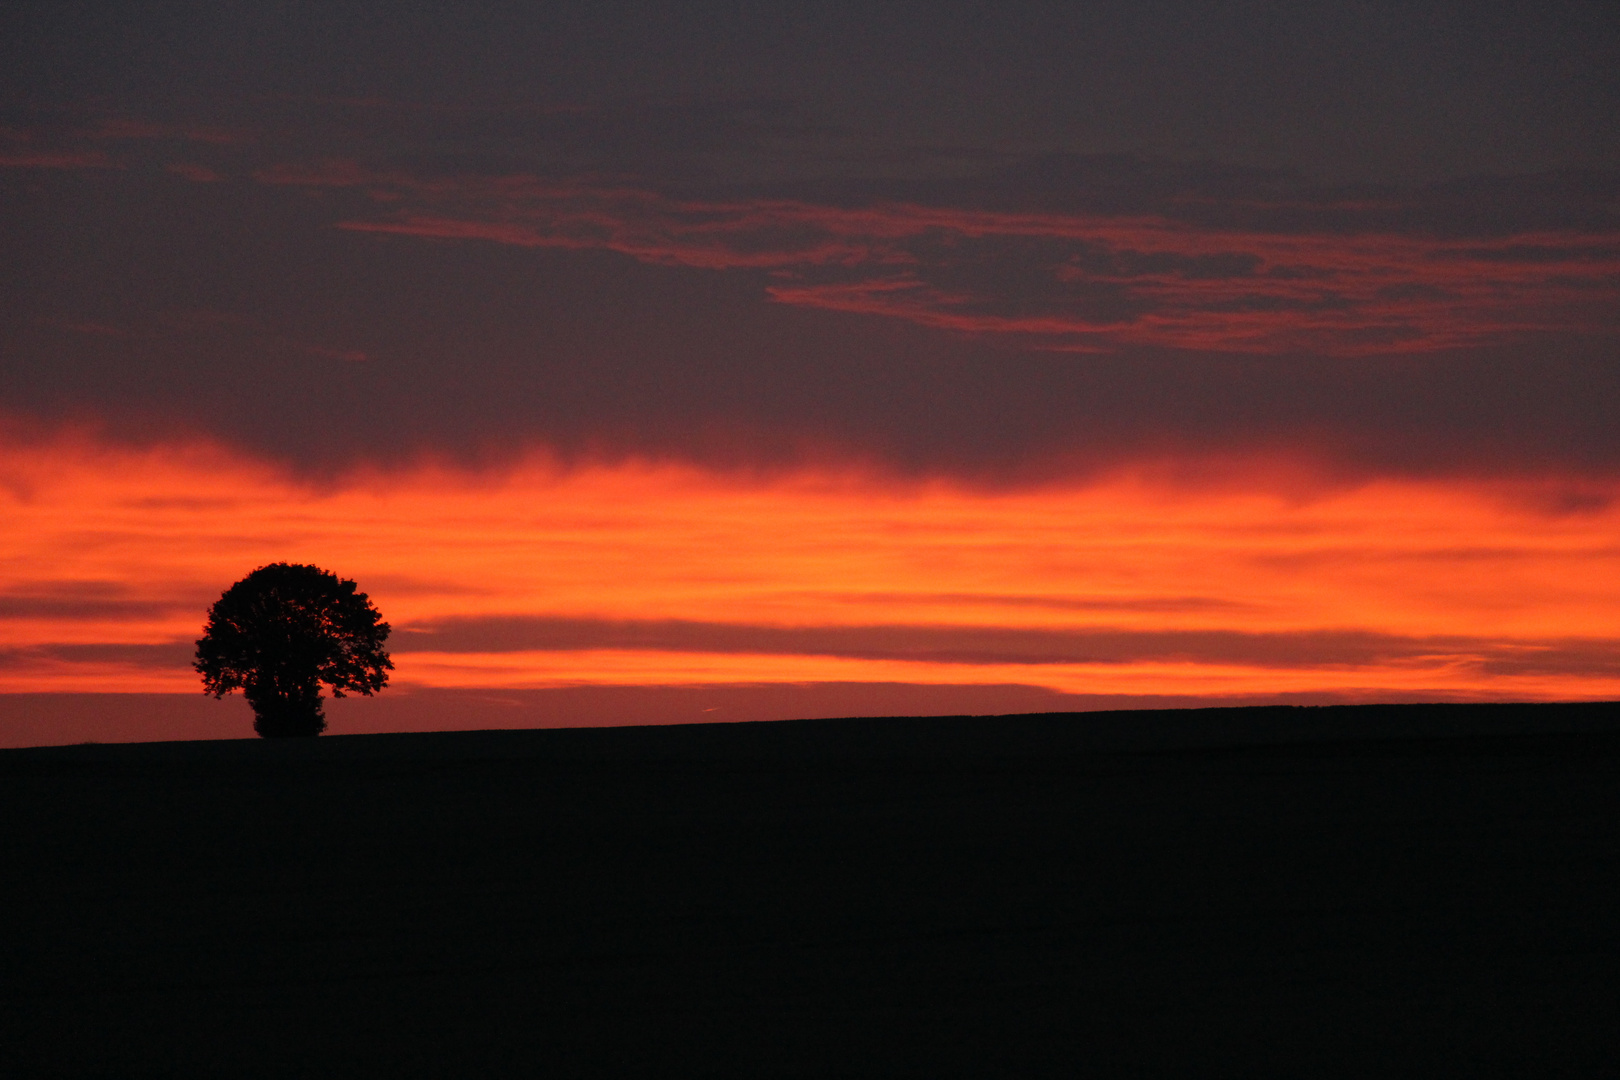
(1357, 891)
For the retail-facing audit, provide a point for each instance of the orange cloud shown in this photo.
(639, 574)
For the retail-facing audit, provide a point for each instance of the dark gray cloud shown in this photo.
(1373, 90)
(240, 310)
(955, 644)
(162, 657)
(81, 600)
(935, 644)
(327, 237)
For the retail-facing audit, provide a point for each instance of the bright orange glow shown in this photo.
(1137, 583)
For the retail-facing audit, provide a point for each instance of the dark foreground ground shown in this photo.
(1357, 892)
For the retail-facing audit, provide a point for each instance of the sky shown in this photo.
(656, 363)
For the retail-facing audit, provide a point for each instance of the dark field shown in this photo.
(1358, 892)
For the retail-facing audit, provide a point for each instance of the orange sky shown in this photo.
(1240, 581)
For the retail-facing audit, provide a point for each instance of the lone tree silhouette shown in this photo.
(281, 632)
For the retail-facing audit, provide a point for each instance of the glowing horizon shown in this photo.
(643, 573)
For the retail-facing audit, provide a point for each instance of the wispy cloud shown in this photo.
(74, 140)
(159, 657)
(130, 127)
(20, 158)
(200, 174)
(1060, 280)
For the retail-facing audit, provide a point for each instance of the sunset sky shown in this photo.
(649, 363)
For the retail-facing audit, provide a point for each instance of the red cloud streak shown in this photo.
(1063, 281)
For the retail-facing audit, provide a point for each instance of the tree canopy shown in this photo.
(281, 633)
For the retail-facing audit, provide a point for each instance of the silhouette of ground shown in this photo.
(1378, 891)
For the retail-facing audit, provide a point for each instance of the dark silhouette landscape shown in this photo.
(613, 383)
(1341, 891)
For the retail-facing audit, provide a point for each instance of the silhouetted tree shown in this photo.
(281, 632)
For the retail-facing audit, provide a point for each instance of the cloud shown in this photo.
(200, 174)
(996, 645)
(335, 173)
(26, 606)
(55, 159)
(65, 140)
(104, 601)
(1175, 277)
(160, 657)
(1166, 605)
(661, 574)
(136, 128)
(1019, 319)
